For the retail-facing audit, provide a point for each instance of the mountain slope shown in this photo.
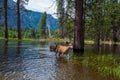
(29, 19)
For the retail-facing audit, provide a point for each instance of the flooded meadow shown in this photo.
(35, 61)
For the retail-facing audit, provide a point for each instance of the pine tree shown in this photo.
(60, 10)
(43, 25)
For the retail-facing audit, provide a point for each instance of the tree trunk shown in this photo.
(103, 36)
(97, 38)
(18, 20)
(115, 2)
(115, 34)
(79, 27)
(62, 24)
(5, 19)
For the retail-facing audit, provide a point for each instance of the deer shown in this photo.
(53, 47)
(60, 49)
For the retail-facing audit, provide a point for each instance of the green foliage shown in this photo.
(56, 34)
(60, 5)
(69, 28)
(43, 25)
(12, 33)
(101, 16)
(1, 31)
(32, 33)
(65, 13)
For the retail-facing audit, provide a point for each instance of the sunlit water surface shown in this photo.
(34, 61)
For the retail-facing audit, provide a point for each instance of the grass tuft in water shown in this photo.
(104, 64)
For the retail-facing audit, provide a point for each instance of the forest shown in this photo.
(95, 20)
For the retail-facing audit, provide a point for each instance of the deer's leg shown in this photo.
(63, 54)
(59, 54)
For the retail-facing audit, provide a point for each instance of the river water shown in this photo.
(34, 61)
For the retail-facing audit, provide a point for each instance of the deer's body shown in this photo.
(62, 49)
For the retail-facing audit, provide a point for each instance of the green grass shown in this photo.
(56, 40)
(103, 64)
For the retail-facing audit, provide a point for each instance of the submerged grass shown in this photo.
(106, 65)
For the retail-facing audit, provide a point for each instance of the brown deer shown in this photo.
(53, 47)
(60, 49)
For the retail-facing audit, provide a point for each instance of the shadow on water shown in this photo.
(107, 48)
(35, 61)
(18, 49)
(5, 49)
